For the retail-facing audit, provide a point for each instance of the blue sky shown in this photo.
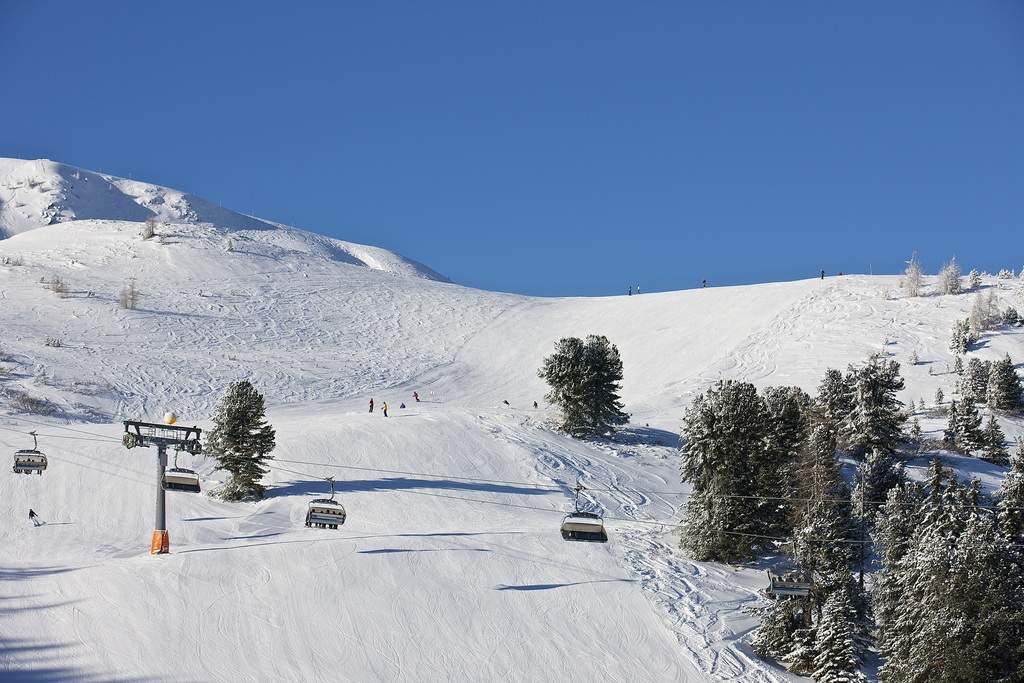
(555, 148)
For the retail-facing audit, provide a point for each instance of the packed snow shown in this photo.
(450, 565)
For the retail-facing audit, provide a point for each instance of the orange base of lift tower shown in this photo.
(161, 543)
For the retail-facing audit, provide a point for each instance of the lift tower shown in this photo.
(146, 434)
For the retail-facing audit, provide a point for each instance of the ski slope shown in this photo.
(450, 566)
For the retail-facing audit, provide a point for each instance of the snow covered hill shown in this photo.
(39, 192)
(450, 566)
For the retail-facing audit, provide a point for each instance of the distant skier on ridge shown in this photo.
(371, 405)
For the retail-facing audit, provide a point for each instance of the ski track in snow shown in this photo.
(676, 586)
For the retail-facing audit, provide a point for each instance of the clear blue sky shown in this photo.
(555, 147)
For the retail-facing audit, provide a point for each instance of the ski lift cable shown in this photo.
(556, 486)
(67, 429)
(566, 486)
(518, 506)
(54, 436)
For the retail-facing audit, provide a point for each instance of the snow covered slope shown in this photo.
(39, 192)
(450, 566)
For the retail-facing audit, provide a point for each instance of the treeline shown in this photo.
(766, 476)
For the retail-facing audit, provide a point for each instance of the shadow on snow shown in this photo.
(309, 488)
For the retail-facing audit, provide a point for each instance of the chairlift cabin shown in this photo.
(325, 513)
(583, 526)
(181, 479)
(796, 584)
(29, 460)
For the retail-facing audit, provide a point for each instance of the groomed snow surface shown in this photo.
(450, 565)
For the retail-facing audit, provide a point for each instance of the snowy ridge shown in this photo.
(37, 193)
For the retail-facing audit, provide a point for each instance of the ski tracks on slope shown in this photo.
(701, 604)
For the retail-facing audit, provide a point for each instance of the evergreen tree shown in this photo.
(951, 437)
(879, 473)
(1010, 504)
(241, 441)
(817, 467)
(914, 433)
(962, 337)
(1010, 316)
(835, 398)
(786, 426)
(946, 605)
(775, 638)
(584, 378)
(876, 420)
(994, 450)
(969, 435)
(838, 658)
(723, 436)
(974, 279)
(974, 382)
(939, 396)
(1003, 388)
(819, 541)
(958, 365)
(803, 653)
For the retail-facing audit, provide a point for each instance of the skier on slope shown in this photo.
(371, 405)
(823, 274)
(402, 406)
(535, 405)
(384, 407)
(416, 396)
(34, 517)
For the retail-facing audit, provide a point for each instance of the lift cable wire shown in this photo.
(567, 486)
(653, 522)
(555, 486)
(55, 436)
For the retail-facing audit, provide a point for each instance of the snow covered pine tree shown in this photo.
(994, 450)
(241, 441)
(876, 419)
(1003, 388)
(723, 433)
(947, 602)
(837, 659)
(584, 379)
